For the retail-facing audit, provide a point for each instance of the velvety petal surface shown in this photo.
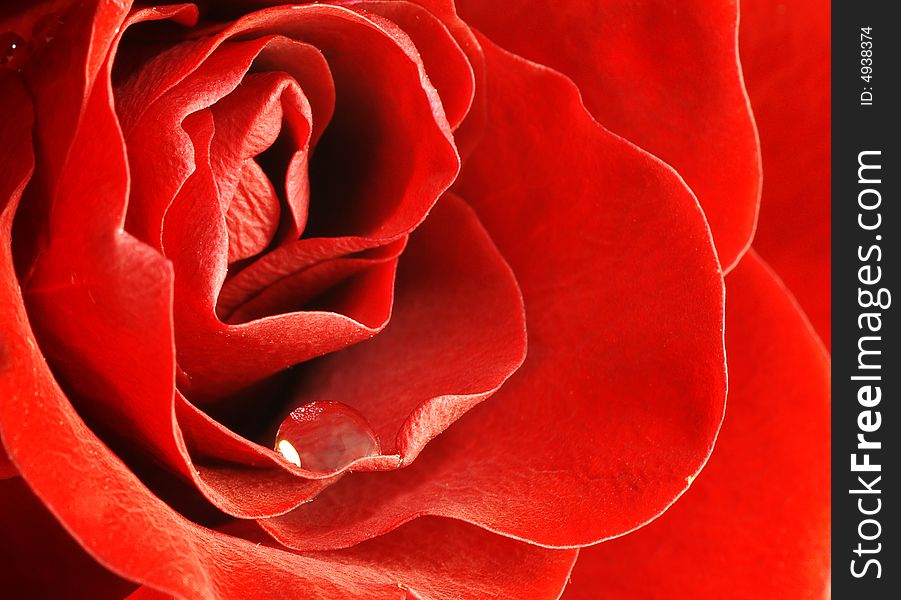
(459, 86)
(598, 431)
(755, 524)
(662, 73)
(785, 45)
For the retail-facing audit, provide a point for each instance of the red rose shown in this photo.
(393, 299)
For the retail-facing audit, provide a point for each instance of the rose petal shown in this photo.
(457, 333)
(445, 62)
(456, 82)
(234, 491)
(17, 158)
(755, 524)
(197, 74)
(664, 75)
(296, 290)
(237, 476)
(47, 562)
(64, 68)
(470, 130)
(253, 213)
(288, 262)
(378, 128)
(94, 285)
(59, 119)
(247, 122)
(309, 68)
(621, 395)
(787, 44)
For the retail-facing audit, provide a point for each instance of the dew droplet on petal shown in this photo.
(12, 50)
(325, 437)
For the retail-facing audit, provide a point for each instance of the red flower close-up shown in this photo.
(433, 299)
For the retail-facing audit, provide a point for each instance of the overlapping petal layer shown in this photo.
(662, 73)
(755, 524)
(445, 61)
(786, 46)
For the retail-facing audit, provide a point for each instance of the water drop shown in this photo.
(12, 50)
(325, 437)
